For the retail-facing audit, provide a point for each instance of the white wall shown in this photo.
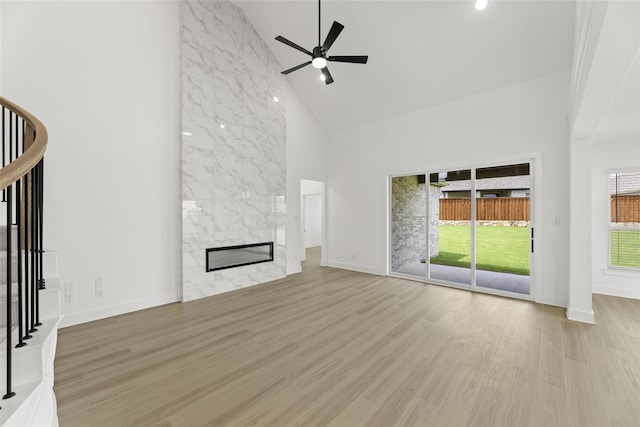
(507, 124)
(103, 78)
(606, 156)
(306, 159)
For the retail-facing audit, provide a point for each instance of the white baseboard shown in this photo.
(581, 315)
(617, 292)
(552, 300)
(115, 310)
(355, 267)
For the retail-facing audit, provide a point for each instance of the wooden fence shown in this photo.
(493, 209)
(625, 208)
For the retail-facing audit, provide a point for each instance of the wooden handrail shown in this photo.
(32, 155)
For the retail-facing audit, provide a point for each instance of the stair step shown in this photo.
(29, 362)
(33, 405)
(34, 401)
(3, 237)
(49, 264)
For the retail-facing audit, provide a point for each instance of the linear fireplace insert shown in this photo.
(239, 255)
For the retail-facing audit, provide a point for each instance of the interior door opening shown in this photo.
(312, 221)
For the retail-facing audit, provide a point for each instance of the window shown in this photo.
(624, 221)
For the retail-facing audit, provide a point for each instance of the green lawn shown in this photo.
(502, 249)
(625, 248)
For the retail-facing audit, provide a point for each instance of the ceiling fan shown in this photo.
(319, 56)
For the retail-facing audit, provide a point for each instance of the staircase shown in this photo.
(34, 403)
(29, 290)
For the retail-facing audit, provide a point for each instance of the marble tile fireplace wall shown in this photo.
(233, 154)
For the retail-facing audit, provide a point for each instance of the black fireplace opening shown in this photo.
(238, 255)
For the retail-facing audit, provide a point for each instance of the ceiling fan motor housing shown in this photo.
(319, 52)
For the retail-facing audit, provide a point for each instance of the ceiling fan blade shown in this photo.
(297, 67)
(293, 45)
(334, 32)
(327, 76)
(353, 59)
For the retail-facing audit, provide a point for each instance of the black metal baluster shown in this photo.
(36, 240)
(11, 114)
(11, 117)
(33, 288)
(9, 393)
(19, 209)
(41, 219)
(27, 288)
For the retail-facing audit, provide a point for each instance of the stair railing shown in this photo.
(24, 141)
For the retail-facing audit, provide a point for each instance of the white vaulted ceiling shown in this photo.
(421, 53)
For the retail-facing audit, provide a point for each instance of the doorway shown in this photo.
(311, 220)
(468, 228)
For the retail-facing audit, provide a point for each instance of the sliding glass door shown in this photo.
(468, 227)
(503, 228)
(450, 234)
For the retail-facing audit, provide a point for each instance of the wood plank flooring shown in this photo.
(330, 347)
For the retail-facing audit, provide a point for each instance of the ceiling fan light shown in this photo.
(319, 62)
(323, 77)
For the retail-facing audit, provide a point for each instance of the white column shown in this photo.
(580, 300)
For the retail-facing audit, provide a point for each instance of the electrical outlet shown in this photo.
(68, 292)
(99, 292)
(98, 282)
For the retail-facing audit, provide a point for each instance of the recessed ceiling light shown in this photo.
(323, 77)
(276, 99)
(221, 126)
(185, 133)
(481, 4)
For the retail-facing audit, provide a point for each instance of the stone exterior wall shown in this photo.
(408, 222)
(434, 220)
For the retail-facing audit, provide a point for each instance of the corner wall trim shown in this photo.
(581, 316)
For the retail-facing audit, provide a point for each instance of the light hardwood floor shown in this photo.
(340, 348)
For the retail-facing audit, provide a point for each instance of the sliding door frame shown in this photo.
(535, 264)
